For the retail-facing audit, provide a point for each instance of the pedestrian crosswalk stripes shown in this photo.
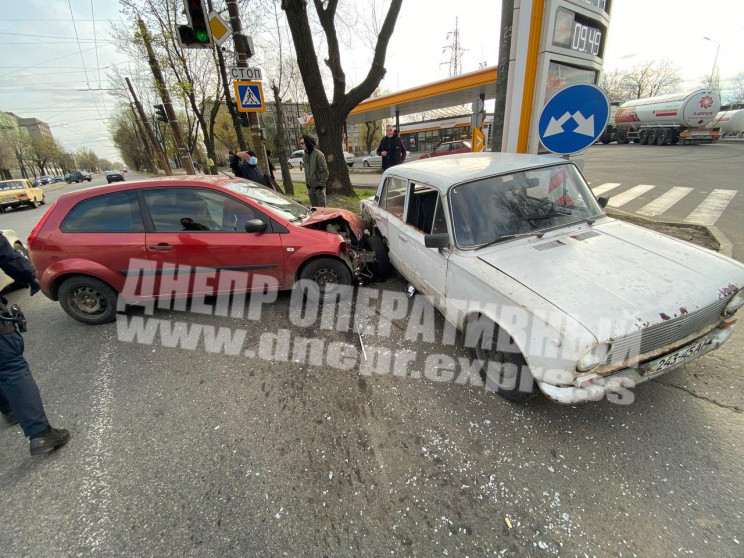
(629, 195)
(602, 188)
(708, 212)
(664, 202)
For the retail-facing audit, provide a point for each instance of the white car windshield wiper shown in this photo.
(538, 234)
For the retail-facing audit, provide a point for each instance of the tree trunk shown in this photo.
(330, 140)
(281, 142)
(330, 115)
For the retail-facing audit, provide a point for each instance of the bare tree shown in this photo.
(612, 84)
(20, 144)
(285, 77)
(330, 115)
(737, 89)
(651, 79)
(44, 150)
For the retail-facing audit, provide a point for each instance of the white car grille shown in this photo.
(666, 333)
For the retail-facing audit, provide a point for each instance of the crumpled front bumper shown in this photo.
(624, 379)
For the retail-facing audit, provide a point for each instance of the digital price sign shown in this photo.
(603, 5)
(576, 32)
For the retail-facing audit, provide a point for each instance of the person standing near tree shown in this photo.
(316, 171)
(391, 149)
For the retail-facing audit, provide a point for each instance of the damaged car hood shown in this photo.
(615, 277)
(329, 214)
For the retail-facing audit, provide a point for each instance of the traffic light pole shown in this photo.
(228, 96)
(150, 134)
(237, 27)
(165, 96)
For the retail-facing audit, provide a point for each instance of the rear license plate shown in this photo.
(677, 358)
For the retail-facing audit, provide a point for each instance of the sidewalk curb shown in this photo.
(725, 247)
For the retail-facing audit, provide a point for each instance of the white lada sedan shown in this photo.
(551, 294)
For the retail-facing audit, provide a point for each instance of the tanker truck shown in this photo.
(729, 123)
(668, 119)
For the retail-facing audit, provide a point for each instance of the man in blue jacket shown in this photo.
(20, 400)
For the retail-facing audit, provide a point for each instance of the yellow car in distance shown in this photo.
(18, 192)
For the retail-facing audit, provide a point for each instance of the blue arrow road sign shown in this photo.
(573, 119)
(249, 95)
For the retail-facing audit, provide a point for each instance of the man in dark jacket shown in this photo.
(316, 171)
(251, 171)
(20, 400)
(234, 163)
(391, 148)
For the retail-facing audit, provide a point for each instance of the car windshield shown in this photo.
(269, 199)
(502, 207)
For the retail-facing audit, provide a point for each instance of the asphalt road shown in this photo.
(189, 452)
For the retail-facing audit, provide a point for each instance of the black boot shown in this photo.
(49, 440)
(10, 418)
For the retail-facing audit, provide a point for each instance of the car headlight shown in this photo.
(735, 303)
(594, 357)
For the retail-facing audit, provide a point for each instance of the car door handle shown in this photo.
(402, 237)
(162, 247)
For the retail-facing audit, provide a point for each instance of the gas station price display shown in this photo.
(603, 5)
(576, 32)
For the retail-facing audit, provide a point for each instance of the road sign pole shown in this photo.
(237, 27)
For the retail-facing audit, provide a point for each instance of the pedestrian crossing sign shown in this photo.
(249, 95)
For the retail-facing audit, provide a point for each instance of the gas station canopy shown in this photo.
(450, 92)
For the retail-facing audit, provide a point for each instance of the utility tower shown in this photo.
(455, 62)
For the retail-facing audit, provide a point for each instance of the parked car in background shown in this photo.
(207, 222)
(375, 160)
(114, 176)
(449, 148)
(16, 243)
(296, 159)
(553, 295)
(372, 160)
(57, 178)
(349, 158)
(78, 176)
(19, 192)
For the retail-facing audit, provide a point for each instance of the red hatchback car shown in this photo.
(449, 148)
(90, 240)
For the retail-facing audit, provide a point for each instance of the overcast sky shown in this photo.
(45, 71)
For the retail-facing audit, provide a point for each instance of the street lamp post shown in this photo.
(715, 60)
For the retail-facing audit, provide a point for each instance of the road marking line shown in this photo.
(630, 195)
(602, 188)
(708, 212)
(665, 201)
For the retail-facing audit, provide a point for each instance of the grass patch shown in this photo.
(334, 200)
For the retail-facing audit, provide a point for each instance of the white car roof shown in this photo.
(442, 172)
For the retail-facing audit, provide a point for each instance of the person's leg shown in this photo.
(18, 386)
(313, 197)
(320, 196)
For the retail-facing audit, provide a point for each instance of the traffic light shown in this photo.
(160, 113)
(196, 34)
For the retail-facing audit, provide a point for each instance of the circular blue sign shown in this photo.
(573, 119)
